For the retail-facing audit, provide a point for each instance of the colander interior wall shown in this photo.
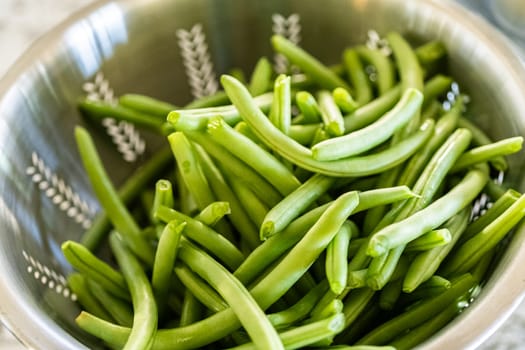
(176, 50)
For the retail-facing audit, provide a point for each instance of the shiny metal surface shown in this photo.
(45, 196)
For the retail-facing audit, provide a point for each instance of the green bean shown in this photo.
(330, 114)
(187, 203)
(222, 190)
(119, 310)
(389, 295)
(78, 285)
(217, 99)
(197, 119)
(253, 206)
(320, 135)
(145, 310)
(308, 106)
(279, 216)
(385, 75)
(432, 110)
(251, 316)
(163, 196)
(165, 256)
(473, 249)
(109, 199)
(201, 290)
(303, 133)
(204, 236)
(382, 267)
(94, 268)
(300, 309)
(410, 71)
(373, 110)
(190, 169)
(263, 162)
(357, 278)
(127, 193)
(431, 55)
(213, 213)
(362, 140)
(307, 63)
(429, 240)
(430, 217)
(243, 128)
(503, 203)
(146, 104)
(334, 306)
(281, 111)
(260, 81)
(435, 87)
(344, 100)
(98, 110)
(479, 138)
(426, 263)
(276, 245)
(337, 258)
(238, 73)
(357, 76)
(417, 314)
(495, 190)
(484, 153)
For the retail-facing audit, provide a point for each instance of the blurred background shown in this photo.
(23, 21)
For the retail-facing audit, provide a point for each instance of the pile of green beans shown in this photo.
(327, 209)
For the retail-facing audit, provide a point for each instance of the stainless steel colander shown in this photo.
(175, 50)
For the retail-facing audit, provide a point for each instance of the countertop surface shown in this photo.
(23, 21)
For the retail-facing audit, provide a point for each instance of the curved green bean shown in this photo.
(410, 71)
(385, 75)
(260, 80)
(78, 285)
(344, 100)
(119, 309)
(364, 139)
(145, 309)
(357, 76)
(213, 213)
(308, 106)
(337, 258)
(109, 199)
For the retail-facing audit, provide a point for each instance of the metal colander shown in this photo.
(175, 50)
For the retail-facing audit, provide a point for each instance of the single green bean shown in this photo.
(94, 268)
(337, 258)
(260, 186)
(303, 133)
(429, 240)
(473, 249)
(163, 196)
(260, 160)
(308, 106)
(217, 99)
(78, 285)
(357, 76)
(147, 104)
(362, 140)
(109, 199)
(430, 217)
(190, 169)
(205, 236)
(307, 63)
(281, 112)
(98, 110)
(191, 309)
(484, 153)
(165, 256)
(119, 309)
(251, 316)
(385, 75)
(238, 73)
(201, 290)
(410, 71)
(389, 294)
(253, 206)
(330, 114)
(373, 110)
(279, 216)
(344, 100)
(142, 176)
(417, 314)
(435, 87)
(213, 213)
(144, 307)
(260, 80)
